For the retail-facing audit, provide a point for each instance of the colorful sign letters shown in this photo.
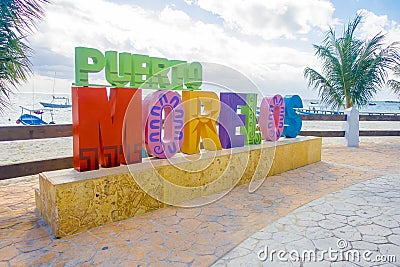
(109, 130)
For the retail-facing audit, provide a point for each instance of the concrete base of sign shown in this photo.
(70, 201)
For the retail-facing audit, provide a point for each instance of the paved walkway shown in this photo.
(359, 224)
(202, 236)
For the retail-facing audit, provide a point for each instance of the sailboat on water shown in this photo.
(54, 104)
(57, 101)
(34, 116)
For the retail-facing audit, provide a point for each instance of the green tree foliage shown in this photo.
(353, 70)
(395, 84)
(17, 18)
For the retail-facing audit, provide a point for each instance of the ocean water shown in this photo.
(372, 107)
(64, 115)
(11, 114)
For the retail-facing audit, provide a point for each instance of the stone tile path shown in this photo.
(196, 236)
(361, 223)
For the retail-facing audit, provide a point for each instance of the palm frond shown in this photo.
(395, 84)
(17, 20)
(354, 69)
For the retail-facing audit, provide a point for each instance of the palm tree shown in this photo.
(17, 18)
(394, 84)
(353, 70)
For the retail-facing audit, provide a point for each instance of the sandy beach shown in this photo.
(33, 150)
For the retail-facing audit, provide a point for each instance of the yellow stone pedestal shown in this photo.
(71, 201)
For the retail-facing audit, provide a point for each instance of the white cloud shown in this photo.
(169, 33)
(373, 24)
(174, 17)
(189, 2)
(272, 19)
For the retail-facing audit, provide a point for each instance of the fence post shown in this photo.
(352, 127)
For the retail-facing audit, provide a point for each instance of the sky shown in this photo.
(269, 42)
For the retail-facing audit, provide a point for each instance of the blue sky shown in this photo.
(270, 42)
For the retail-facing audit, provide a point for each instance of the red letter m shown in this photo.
(98, 127)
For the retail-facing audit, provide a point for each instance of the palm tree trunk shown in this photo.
(348, 102)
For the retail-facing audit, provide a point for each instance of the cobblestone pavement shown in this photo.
(361, 223)
(200, 236)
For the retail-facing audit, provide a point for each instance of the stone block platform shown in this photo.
(71, 202)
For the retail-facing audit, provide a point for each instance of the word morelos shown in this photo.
(110, 130)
